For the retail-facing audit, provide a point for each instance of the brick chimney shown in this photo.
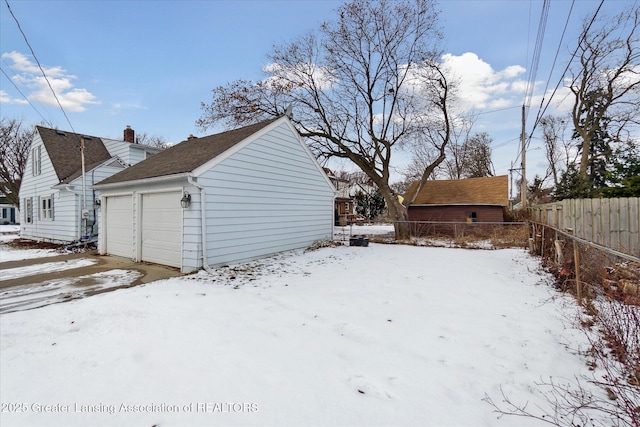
(129, 135)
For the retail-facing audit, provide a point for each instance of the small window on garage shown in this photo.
(472, 217)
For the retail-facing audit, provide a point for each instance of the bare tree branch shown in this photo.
(363, 86)
(15, 141)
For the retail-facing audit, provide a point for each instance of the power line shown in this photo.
(25, 97)
(495, 111)
(39, 66)
(553, 66)
(564, 73)
(535, 61)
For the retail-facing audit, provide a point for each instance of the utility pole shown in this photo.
(84, 212)
(523, 188)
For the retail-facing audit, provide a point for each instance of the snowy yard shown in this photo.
(386, 335)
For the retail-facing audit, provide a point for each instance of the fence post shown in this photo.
(576, 261)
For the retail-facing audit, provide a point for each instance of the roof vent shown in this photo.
(61, 133)
(190, 137)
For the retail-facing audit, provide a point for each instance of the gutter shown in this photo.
(151, 180)
(203, 223)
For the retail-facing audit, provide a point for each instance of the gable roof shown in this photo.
(493, 190)
(187, 155)
(64, 151)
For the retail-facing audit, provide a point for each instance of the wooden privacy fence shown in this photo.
(613, 223)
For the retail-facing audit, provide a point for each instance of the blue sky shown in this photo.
(150, 64)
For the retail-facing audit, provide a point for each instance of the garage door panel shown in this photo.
(119, 226)
(161, 227)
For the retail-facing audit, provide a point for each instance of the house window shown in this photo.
(472, 217)
(46, 208)
(346, 206)
(5, 213)
(35, 161)
(28, 210)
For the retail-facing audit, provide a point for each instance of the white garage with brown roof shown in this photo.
(220, 199)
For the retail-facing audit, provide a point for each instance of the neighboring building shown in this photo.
(8, 212)
(465, 200)
(344, 203)
(219, 199)
(58, 202)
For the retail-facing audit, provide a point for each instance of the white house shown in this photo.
(57, 200)
(220, 199)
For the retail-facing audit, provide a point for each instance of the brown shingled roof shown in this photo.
(186, 156)
(64, 151)
(492, 190)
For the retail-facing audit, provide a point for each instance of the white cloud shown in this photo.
(4, 97)
(29, 75)
(480, 86)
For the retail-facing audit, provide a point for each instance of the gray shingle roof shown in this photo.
(492, 190)
(65, 153)
(186, 156)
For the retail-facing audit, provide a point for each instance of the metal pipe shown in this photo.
(203, 223)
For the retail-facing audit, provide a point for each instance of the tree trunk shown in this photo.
(397, 212)
(584, 158)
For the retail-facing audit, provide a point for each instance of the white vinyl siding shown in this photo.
(61, 222)
(265, 196)
(129, 153)
(268, 197)
(34, 187)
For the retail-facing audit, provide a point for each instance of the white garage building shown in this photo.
(220, 199)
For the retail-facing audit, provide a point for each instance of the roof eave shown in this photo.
(153, 180)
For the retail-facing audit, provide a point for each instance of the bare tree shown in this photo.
(454, 163)
(425, 154)
(15, 141)
(362, 87)
(467, 156)
(606, 80)
(557, 148)
(152, 140)
(476, 161)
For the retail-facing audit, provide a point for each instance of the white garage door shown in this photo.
(119, 226)
(161, 227)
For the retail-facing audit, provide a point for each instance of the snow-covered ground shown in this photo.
(7, 253)
(388, 335)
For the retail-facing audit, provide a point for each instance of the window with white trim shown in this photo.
(28, 210)
(46, 208)
(36, 161)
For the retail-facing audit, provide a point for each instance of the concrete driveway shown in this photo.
(47, 285)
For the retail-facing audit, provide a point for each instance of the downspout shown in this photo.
(203, 224)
